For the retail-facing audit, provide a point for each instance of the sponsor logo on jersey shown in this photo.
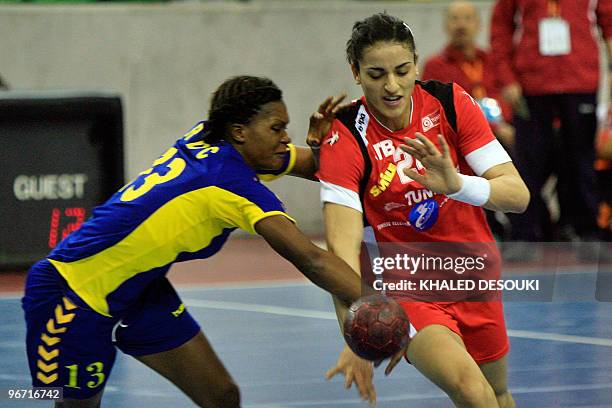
(384, 181)
(416, 196)
(423, 216)
(392, 206)
(430, 121)
(384, 148)
(333, 138)
(361, 123)
(388, 224)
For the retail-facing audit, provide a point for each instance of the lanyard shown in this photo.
(474, 72)
(554, 9)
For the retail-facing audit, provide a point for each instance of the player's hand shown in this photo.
(321, 120)
(440, 174)
(396, 359)
(357, 370)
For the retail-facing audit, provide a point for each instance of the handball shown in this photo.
(376, 328)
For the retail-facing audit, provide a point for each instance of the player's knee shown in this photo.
(472, 391)
(505, 400)
(92, 402)
(77, 404)
(227, 397)
(231, 397)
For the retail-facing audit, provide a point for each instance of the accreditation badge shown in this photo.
(554, 37)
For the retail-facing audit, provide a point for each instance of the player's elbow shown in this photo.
(231, 398)
(521, 199)
(514, 199)
(524, 201)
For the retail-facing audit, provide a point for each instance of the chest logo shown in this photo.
(384, 181)
(424, 215)
(430, 121)
(361, 123)
(333, 138)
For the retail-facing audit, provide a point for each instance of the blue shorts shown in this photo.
(74, 347)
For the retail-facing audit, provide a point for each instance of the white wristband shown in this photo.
(474, 190)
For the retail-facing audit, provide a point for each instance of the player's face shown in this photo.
(462, 24)
(265, 137)
(387, 71)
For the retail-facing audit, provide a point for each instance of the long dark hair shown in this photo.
(379, 27)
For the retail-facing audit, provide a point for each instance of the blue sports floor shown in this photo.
(278, 339)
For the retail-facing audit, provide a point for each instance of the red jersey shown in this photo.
(361, 165)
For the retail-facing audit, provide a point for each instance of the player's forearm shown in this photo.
(343, 233)
(508, 194)
(305, 165)
(352, 260)
(341, 312)
(334, 275)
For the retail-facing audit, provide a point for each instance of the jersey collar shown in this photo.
(385, 129)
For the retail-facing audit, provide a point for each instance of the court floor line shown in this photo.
(316, 314)
(207, 287)
(428, 396)
(567, 338)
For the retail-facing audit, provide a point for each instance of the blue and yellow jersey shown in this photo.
(184, 207)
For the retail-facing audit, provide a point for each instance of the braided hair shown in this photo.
(237, 100)
(378, 27)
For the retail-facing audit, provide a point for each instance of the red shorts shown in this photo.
(480, 325)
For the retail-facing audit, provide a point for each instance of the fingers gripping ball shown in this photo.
(376, 328)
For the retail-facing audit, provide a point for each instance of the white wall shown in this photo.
(167, 59)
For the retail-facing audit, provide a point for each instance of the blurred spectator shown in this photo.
(464, 63)
(603, 166)
(546, 56)
(3, 85)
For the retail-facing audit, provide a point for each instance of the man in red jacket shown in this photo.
(469, 66)
(546, 56)
(464, 63)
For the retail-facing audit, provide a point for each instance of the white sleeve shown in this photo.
(487, 156)
(333, 193)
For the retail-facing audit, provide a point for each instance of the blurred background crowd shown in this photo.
(539, 69)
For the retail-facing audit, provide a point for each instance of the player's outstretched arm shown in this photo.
(321, 267)
(319, 125)
(344, 233)
(305, 164)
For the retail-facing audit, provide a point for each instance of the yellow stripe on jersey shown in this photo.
(188, 223)
(292, 158)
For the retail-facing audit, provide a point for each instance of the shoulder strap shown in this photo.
(355, 119)
(443, 93)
